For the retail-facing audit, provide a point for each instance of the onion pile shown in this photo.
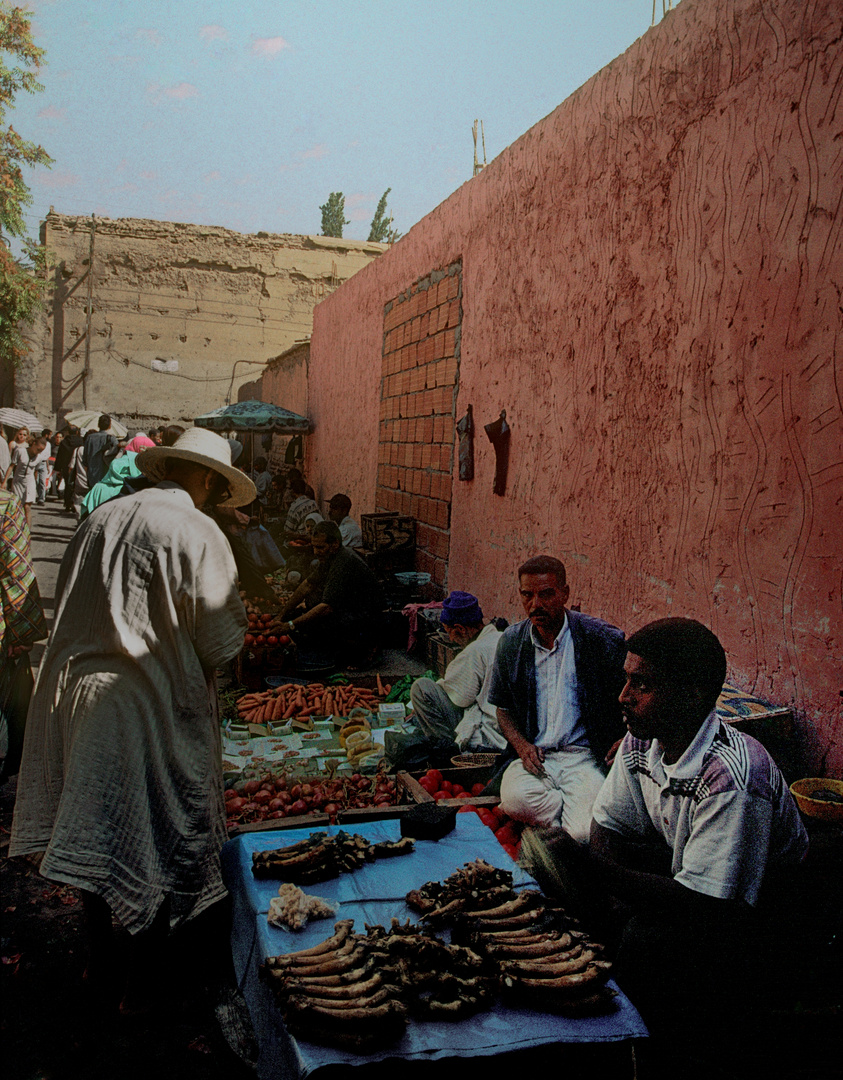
(274, 796)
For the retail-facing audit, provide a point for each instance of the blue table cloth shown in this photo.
(375, 894)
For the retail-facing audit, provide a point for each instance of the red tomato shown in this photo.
(446, 785)
(463, 795)
(439, 795)
(429, 785)
(487, 817)
(249, 639)
(283, 639)
(435, 775)
(272, 640)
(478, 789)
(458, 790)
(466, 810)
(260, 639)
(511, 851)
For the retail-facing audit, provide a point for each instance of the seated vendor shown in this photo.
(339, 510)
(455, 708)
(338, 609)
(262, 479)
(694, 832)
(300, 507)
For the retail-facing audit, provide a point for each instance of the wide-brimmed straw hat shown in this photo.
(202, 447)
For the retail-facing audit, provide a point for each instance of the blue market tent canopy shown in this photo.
(255, 416)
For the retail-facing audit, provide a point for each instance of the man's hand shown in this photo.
(532, 757)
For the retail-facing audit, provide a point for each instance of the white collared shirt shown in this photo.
(557, 708)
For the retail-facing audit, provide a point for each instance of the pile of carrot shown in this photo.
(315, 699)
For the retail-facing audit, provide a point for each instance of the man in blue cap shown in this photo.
(456, 707)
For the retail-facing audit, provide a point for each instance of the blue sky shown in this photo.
(248, 114)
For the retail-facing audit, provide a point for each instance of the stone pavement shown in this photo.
(51, 530)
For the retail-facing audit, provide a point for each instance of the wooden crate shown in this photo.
(388, 532)
(409, 793)
(440, 652)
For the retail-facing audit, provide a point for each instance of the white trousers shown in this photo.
(563, 796)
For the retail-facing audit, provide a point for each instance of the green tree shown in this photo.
(381, 229)
(333, 214)
(20, 285)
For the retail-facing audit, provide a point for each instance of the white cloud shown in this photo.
(150, 36)
(318, 151)
(213, 33)
(215, 174)
(158, 94)
(148, 174)
(358, 205)
(268, 46)
(52, 113)
(55, 180)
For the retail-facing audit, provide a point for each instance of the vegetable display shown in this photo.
(273, 796)
(293, 700)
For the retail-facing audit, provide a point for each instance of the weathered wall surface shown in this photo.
(651, 289)
(175, 308)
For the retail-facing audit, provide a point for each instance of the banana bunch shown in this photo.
(356, 739)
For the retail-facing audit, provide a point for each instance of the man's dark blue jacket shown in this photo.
(599, 655)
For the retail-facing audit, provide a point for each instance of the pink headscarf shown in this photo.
(140, 442)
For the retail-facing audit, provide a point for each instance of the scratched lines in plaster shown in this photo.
(804, 533)
(752, 492)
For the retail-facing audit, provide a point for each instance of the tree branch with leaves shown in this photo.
(20, 282)
(381, 230)
(333, 215)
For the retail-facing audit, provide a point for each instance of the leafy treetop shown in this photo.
(20, 289)
(333, 215)
(381, 228)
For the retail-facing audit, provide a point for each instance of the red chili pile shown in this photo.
(507, 831)
(276, 796)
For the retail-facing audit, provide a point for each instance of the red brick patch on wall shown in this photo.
(419, 378)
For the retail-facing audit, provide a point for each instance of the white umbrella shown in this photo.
(17, 418)
(88, 420)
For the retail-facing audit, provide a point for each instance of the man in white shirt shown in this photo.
(121, 780)
(693, 831)
(555, 684)
(456, 707)
(338, 510)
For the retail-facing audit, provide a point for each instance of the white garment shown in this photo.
(563, 796)
(23, 474)
(557, 707)
(121, 779)
(466, 682)
(351, 533)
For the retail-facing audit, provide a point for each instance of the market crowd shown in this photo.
(613, 757)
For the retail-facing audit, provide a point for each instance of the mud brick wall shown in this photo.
(419, 378)
(183, 316)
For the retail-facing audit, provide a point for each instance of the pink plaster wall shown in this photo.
(652, 284)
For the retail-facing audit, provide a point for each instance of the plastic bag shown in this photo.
(413, 750)
(264, 549)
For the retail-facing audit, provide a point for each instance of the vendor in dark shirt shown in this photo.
(337, 610)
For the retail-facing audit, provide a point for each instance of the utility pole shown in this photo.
(88, 311)
(478, 165)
